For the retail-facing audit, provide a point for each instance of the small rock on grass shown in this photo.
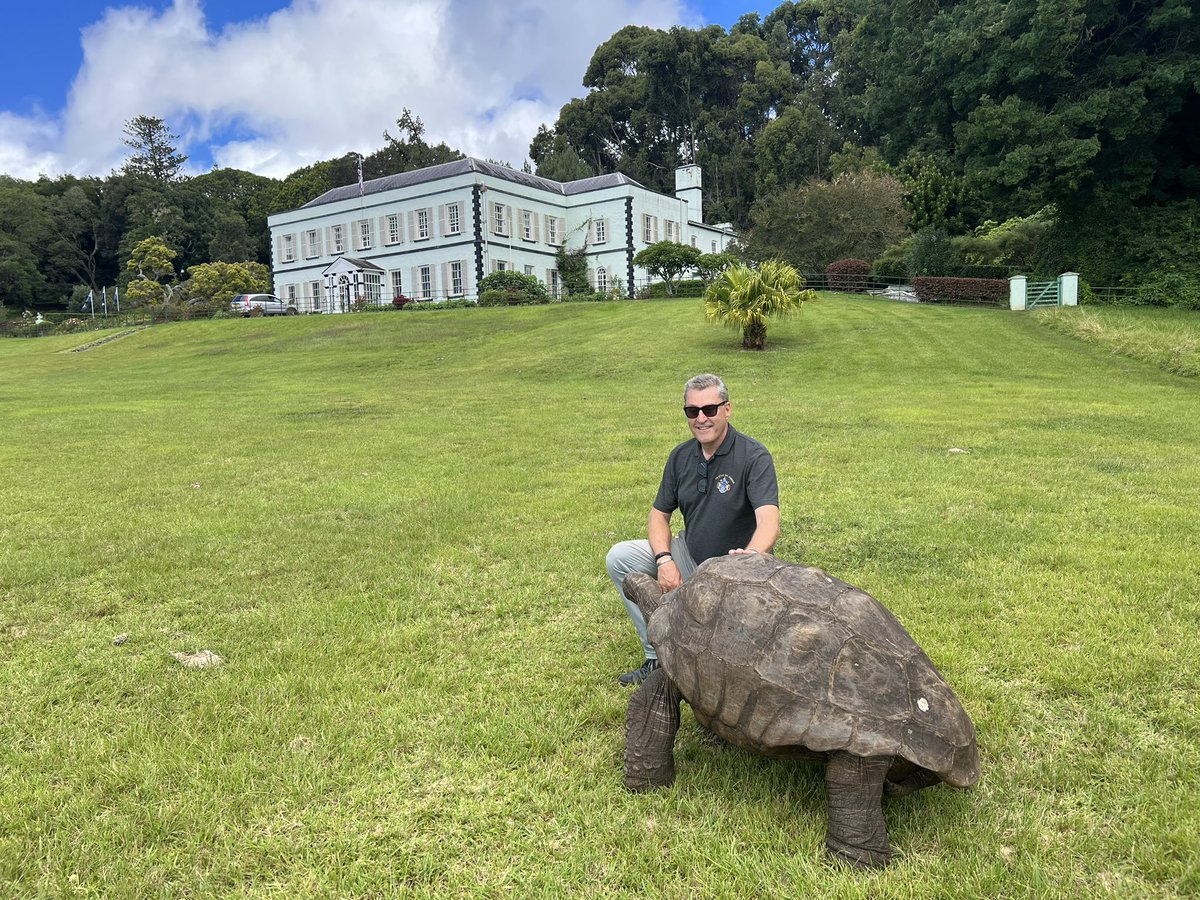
(120, 639)
(201, 659)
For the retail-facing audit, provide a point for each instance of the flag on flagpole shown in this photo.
(90, 303)
(117, 296)
(362, 191)
(104, 294)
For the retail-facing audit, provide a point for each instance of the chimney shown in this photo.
(687, 188)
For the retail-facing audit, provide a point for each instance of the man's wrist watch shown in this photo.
(659, 557)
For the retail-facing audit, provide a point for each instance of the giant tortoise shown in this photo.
(787, 661)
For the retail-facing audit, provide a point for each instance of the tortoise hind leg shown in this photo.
(650, 726)
(857, 832)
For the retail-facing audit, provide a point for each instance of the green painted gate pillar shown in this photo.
(1068, 288)
(1016, 292)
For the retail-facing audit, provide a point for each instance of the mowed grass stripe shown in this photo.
(392, 528)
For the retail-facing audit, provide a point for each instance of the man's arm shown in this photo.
(658, 530)
(766, 531)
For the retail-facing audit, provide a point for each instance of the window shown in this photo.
(554, 282)
(669, 228)
(426, 275)
(693, 240)
(337, 239)
(373, 287)
(500, 265)
(527, 225)
(310, 244)
(647, 230)
(291, 294)
(529, 270)
(456, 279)
(600, 226)
(714, 246)
(422, 224)
(602, 280)
(397, 283)
(453, 219)
(551, 229)
(289, 248)
(364, 234)
(499, 219)
(314, 288)
(393, 229)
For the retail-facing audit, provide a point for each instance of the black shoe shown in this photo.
(637, 676)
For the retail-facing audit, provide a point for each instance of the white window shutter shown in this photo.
(656, 229)
(537, 225)
(446, 277)
(414, 283)
(592, 278)
(412, 224)
(442, 219)
(508, 220)
(329, 237)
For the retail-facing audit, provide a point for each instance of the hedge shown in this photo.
(930, 289)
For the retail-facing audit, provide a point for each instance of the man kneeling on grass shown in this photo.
(723, 483)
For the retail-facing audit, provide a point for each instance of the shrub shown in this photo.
(848, 275)
(930, 252)
(960, 290)
(400, 301)
(692, 287)
(1169, 288)
(891, 264)
(493, 297)
(516, 286)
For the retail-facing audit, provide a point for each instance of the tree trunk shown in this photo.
(754, 335)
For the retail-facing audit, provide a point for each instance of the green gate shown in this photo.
(1043, 293)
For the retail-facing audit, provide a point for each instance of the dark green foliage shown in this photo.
(667, 260)
(154, 154)
(1168, 288)
(930, 252)
(573, 269)
(857, 216)
(693, 287)
(512, 288)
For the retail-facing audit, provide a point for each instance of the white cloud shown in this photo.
(323, 77)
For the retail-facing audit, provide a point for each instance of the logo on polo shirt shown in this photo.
(724, 483)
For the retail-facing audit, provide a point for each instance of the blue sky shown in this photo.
(269, 86)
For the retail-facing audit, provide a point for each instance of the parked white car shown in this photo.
(245, 304)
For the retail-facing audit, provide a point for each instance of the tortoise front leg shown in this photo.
(650, 725)
(857, 832)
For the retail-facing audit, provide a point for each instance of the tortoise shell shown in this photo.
(786, 660)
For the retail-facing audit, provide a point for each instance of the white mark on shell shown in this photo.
(923, 705)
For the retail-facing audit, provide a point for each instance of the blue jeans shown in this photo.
(635, 556)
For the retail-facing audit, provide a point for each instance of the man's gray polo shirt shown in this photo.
(738, 479)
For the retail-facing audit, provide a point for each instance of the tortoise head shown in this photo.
(645, 591)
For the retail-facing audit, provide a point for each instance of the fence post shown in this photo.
(1068, 288)
(1016, 292)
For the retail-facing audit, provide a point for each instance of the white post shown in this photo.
(1068, 288)
(1016, 292)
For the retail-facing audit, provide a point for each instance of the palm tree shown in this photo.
(743, 298)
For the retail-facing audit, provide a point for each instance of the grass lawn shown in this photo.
(392, 529)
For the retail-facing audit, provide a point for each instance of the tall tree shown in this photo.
(154, 150)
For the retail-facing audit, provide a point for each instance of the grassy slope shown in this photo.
(392, 528)
(1168, 338)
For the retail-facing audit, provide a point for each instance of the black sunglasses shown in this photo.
(709, 409)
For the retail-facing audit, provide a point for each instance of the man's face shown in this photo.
(709, 430)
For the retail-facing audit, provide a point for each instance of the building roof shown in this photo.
(469, 165)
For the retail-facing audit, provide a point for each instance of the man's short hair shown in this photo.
(703, 383)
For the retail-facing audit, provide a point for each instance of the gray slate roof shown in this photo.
(464, 166)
